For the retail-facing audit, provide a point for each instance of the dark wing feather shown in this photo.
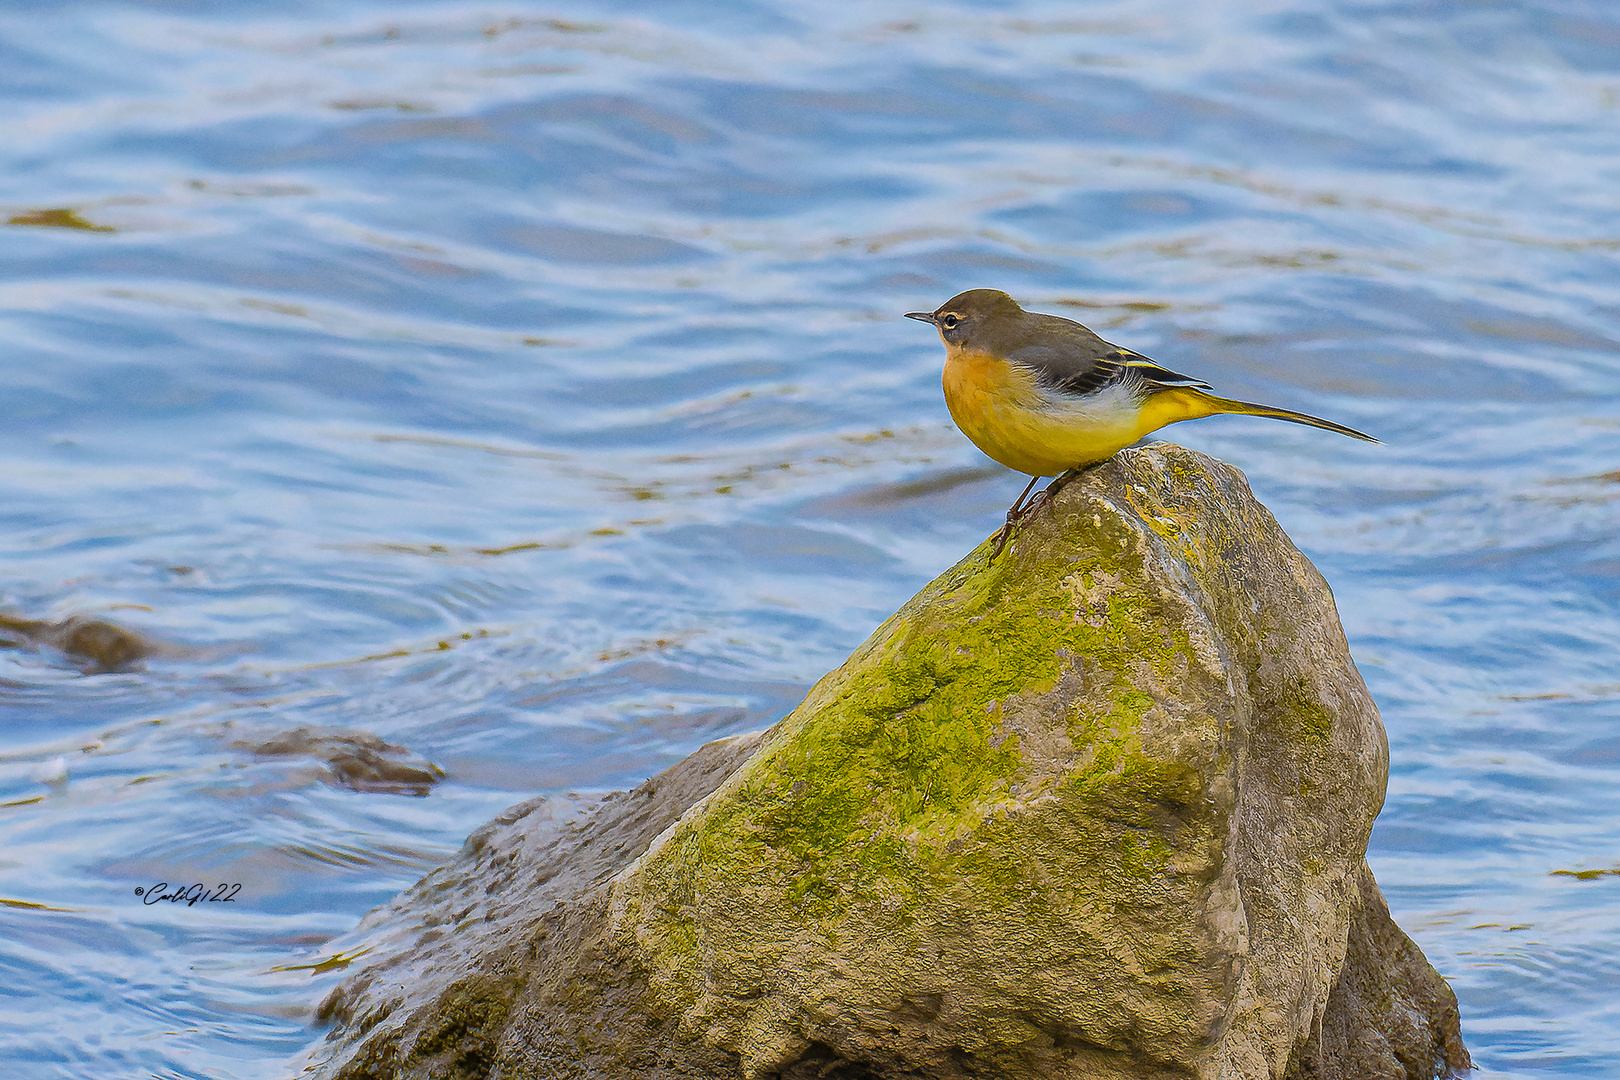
(1158, 377)
(1103, 371)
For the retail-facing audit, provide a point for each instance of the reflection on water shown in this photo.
(523, 395)
(58, 218)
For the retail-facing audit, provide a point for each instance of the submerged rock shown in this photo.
(97, 647)
(357, 760)
(1096, 808)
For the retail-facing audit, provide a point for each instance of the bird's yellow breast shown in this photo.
(1007, 414)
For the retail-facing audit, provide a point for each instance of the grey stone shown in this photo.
(1097, 807)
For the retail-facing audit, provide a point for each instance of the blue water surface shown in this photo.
(526, 385)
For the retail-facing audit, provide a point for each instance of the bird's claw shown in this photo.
(999, 538)
(1042, 497)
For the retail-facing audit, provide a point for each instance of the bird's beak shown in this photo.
(921, 316)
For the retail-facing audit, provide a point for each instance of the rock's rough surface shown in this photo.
(1391, 1016)
(1097, 808)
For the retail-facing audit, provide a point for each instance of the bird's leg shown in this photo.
(1021, 510)
(1015, 513)
(1045, 495)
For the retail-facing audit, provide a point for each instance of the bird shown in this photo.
(1043, 395)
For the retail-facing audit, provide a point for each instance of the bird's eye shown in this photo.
(949, 322)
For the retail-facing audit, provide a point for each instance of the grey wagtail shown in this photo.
(1043, 395)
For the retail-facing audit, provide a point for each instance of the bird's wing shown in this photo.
(1068, 359)
(1064, 356)
(1079, 380)
(1077, 368)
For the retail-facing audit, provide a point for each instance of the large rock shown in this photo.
(1095, 808)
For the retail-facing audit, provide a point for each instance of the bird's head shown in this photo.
(977, 314)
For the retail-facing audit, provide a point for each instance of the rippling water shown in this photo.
(526, 386)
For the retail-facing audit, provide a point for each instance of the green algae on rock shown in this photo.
(1095, 808)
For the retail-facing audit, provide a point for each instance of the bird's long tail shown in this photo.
(1187, 403)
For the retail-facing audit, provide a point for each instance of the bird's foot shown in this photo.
(1021, 510)
(1042, 497)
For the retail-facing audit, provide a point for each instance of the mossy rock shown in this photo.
(1095, 807)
